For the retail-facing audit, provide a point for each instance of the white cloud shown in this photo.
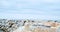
(28, 16)
(29, 9)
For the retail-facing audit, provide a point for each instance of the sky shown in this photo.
(30, 9)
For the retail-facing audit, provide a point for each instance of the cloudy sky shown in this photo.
(30, 9)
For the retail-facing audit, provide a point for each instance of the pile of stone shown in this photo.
(28, 25)
(32, 26)
(10, 25)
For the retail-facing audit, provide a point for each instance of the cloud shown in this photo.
(29, 16)
(36, 4)
(29, 9)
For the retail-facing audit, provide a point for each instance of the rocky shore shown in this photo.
(29, 25)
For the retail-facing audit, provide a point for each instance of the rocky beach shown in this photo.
(29, 25)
